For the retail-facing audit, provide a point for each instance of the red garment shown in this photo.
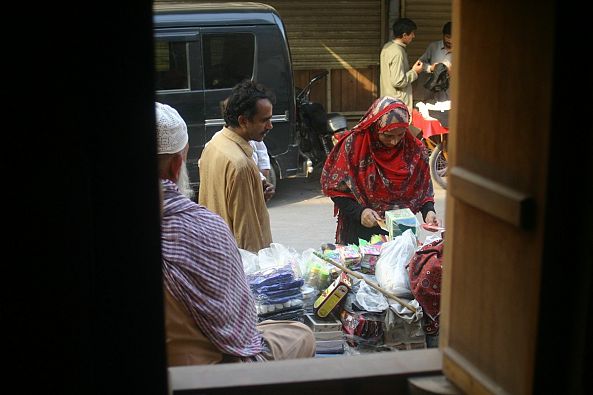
(425, 271)
(376, 176)
(430, 127)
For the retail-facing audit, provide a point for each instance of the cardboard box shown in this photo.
(400, 220)
(323, 325)
(333, 335)
(331, 297)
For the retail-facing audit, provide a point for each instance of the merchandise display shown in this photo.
(355, 298)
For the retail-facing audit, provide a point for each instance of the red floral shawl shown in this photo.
(425, 271)
(379, 177)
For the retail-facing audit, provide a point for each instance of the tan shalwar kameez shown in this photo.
(396, 76)
(230, 185)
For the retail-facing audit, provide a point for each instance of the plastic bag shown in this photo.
(406, 314)
(317, 273)
(308, 259)
(250, 261)
(391, 270)
(401, 331)
(370, 299)
(278, 255)
(271, 276)
(363, 329)
(438, 80)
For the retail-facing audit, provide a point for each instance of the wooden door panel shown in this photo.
(498, 165)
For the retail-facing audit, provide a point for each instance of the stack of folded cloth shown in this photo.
(277, 293)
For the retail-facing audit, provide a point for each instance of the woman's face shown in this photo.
(392, 137)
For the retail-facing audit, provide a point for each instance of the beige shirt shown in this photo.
(230, 186)
(396, 75)
(187, 344)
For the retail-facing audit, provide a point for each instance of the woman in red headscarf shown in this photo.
(377, 166)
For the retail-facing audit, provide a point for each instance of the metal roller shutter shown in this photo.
(332, 34)
(430, 16)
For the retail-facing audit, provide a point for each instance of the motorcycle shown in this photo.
(315, 126)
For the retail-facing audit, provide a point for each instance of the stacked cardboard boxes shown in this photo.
(329, 337)
(398, 221)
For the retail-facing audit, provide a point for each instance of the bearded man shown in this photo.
(172, 148)
(210, 312)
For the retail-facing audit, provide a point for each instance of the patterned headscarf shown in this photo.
(379, 177)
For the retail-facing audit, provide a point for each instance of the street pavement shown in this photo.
(302, 217)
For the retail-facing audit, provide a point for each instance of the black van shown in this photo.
(203, 50)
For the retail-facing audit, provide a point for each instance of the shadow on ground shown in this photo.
(294, 190)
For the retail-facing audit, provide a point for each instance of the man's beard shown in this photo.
(183, 182)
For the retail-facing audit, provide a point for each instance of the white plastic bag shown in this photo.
(370, 299)
(391, 270)
(250, 261)
(308, 258)
(279, 255)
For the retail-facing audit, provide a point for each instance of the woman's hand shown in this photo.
(431, 219)
(369, 218)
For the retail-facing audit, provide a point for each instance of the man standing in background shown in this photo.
(396, 75)
(439, 52)
(230, 183)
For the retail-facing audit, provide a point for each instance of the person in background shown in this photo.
(439, 52)
(396, 77)
(230, 182)
(210, 312)
(377, 166)
(261, 158)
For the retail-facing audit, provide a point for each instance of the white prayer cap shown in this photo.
(171, 130)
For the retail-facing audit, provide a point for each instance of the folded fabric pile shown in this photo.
(277, 293)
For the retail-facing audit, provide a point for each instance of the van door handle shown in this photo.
(177, 36)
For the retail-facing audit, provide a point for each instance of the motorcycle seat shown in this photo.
(336, 121)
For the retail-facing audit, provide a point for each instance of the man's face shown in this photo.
(408, 38)
(447, 40)
(261, 123)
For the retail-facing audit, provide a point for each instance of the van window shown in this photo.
(171, 65)
(228, 59)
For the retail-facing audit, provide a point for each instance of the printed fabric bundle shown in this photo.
(425, 270)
